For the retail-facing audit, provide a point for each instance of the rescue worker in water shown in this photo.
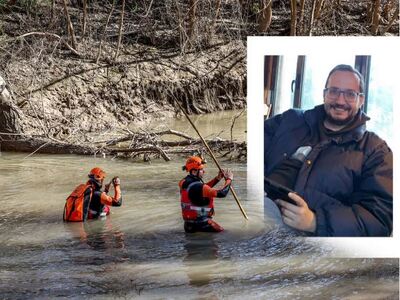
(197, 197)
(100, 202)
(88, 201)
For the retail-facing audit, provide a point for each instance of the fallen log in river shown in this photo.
(135, 145)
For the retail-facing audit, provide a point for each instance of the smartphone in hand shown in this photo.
(277, 191)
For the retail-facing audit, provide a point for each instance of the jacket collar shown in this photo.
(192, 178)
(95, 185)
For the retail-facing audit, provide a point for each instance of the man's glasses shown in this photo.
(349, 95)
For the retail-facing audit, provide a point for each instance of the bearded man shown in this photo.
(340, 174)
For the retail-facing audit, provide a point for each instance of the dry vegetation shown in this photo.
(329, 17)
(76, 68)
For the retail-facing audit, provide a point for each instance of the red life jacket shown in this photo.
(76, 208)
(191, 212)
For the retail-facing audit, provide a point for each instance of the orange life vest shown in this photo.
(191, 212)
(76, 208)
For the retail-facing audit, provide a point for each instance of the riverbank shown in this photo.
(76, 95)
(70, 89)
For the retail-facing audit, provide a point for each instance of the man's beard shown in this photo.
(337, 122)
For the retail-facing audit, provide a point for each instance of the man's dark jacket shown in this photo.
(347, 180)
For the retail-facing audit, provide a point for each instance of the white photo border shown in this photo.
(257, 49)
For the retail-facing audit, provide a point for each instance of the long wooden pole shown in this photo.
(213, 157)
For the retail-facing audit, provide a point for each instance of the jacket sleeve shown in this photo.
(270, 127)
(370, 209)
(114, 201)
(210, 192)
(213, 182)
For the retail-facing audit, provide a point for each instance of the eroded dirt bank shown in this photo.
(58, 99)
(72, 93)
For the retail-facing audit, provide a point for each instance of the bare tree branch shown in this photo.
(50, 35)
(70, 26)
(121, 24)
(104, 32)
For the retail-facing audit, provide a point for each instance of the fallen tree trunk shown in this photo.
(152, 143)
(147, 145)
(43, 145)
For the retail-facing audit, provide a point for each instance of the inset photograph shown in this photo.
(328, 163)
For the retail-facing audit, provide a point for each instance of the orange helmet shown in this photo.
(194, 163)
(97, 174)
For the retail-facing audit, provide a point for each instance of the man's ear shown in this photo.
(361, 100)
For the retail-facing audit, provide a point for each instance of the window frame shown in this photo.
(362, 63)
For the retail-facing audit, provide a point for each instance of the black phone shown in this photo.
(277, 191)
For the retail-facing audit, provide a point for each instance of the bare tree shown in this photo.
(53, 5)
(376, 16)
(301, 20)
(181, 28)
(388, 7)
(312, 17)
(265, 15)
(293, 17)
(104, 31)
(216, 15)
(70, 26)
(394, 17)
(84, 21)
(192, 19)
(121, 24)
(318, 8)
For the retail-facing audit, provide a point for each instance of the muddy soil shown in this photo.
(61, 95)
(66, 94)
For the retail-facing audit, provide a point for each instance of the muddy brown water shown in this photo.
(141, 251)
(219, 124)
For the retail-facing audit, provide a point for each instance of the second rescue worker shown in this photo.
(88, 201)
(197, 197)
(100, 201)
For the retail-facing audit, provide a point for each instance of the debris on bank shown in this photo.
(71, 84)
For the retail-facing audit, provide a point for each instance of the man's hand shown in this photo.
(300, 216)
(116, 181)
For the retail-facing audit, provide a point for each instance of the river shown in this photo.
(213, 125)
(141, 250)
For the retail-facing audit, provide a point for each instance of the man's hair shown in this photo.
(347, 68)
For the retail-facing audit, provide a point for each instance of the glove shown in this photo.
(116, 181)
(228, 174)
